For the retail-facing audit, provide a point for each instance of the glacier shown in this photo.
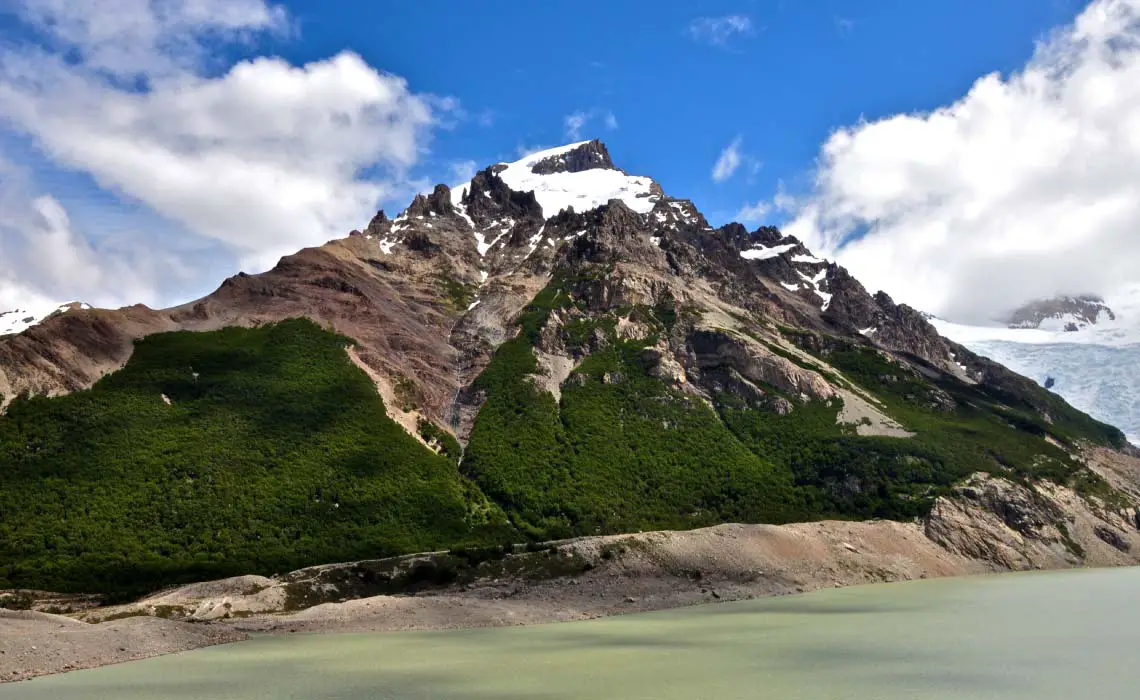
(1096, 370)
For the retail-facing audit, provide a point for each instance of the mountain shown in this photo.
(554, 348)
(1061, 313)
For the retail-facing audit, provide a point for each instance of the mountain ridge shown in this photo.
(621, 367)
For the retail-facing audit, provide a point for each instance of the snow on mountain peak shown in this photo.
(1062, 313)
(19, 320)
(578, 175)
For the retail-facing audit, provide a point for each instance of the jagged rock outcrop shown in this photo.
(589, 156)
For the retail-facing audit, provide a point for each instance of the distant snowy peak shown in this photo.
(1062, 313)
(580, 176)
(19, 320)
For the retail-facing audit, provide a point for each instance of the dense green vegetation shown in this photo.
(275, 452)
(621, 452)
(959, 429)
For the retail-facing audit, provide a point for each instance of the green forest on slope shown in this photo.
(276, 452)
(624, 452)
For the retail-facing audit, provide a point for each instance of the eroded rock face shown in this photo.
(1043, 526)
(711, 350)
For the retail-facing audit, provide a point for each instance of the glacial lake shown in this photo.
(1039, 636)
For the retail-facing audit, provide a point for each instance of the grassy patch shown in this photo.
(459, 295)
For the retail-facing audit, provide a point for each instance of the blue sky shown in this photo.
(801, 70)
(189, 140)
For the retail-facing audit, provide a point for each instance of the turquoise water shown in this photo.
(1043, 636)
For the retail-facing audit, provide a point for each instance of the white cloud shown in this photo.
(753, 213)
(574, 124)
(46, 260)
(146, 38)
(718, 31)
(1024, 187)
(264, 157)
(728, 161)
(578, 120)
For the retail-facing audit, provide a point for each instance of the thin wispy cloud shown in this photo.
(575, 122)
(486, 118)
(844, 25)
(719, 31)
(729, 160)
(463, 170)
(754, 213)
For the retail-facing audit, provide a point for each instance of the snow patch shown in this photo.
(814, 282)
(23, 318)
(809, 259)
(790, 287)
(462, 212)
(534, 241)
(760, 252)
(474, 304)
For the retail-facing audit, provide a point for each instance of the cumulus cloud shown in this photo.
(729, 160)
(1025, 187)
(263, 156)
(43, 253)
(718, 31)
(578, 120)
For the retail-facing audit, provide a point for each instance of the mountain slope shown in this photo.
(590, 355)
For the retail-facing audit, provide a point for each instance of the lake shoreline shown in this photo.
(987, 525)
(918, 638)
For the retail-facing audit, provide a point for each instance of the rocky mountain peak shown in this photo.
(489, 198)
(438, 202)
(590, 155)
(379, 224)
(1061, 313)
